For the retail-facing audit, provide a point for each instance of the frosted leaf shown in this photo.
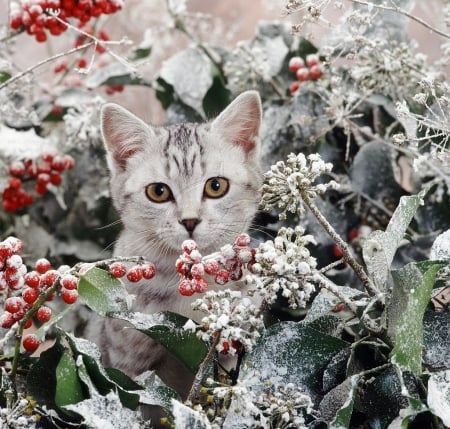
(439, 395)
(106, 412)
(186, 417)
(189, 72)
(440, 249)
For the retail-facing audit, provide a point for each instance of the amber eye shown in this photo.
(158, 192)
(216, 187)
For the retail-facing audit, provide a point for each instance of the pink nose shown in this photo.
(190, 224)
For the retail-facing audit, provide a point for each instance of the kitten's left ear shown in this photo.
(239, 123)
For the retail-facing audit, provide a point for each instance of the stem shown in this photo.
(347, 256)
(202, 369)
(334, 289)
(404, 13)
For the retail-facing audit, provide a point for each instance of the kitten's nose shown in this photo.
(190, 224)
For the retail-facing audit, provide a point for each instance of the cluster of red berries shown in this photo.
(227, 265)
(310, 69)
(34, 16)
(141, 270)
(44, 171)
(23, 288)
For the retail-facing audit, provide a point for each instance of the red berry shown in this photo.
(69, 282)
(117, 270)
(338, 308)
(5, 250)
(315, 72)
(69, 296)
(225, 347)
(13, 304)
(42, 265)
(16, 168)
(337, 252)
(197, 271)
(302, 74)
(135, 274)
(189, 246)
(353, 233)
(15, 183)
(15, 243)
(222, 277)
(30, 342)
(58, 163)
(294, 86)
(41, 188)
(44, 314)
(68, 162)
(185, 287)
(82, 63)
(312, 60)
(296, 63)
(211, 267)
(148, 271)
(6, 320)
(30, 295)
(32, 279)
(242, 240)
(49, 277)
(28, 323)
(200, 285)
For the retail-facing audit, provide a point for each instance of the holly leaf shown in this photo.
(167, 329)
(68, 386)
(102, 292)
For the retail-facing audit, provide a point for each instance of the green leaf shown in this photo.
(439, 395)
(379, 248)
(41, 379)
(4, 76)
(344, 414)
(412, 287)
(293, 353)
(140, 53)
(167, 329)
(101, 292)
(68, 386)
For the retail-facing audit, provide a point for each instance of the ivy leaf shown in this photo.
(413, 286)
(68, 386)
(379, 248)
(102, 292)
(167, 329)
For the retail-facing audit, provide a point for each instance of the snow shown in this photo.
(440, 249)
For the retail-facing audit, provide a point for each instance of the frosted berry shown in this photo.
(6, 320)
(225, 347)
(148, 271)
(294, 87)
(296, 63)
(49, 277)
(42, 265)
(69, 296)
(117, 270)
(222, 277)
(32, 279)
(211, 267)
(200, 285)
(135, 274)
(188, 246)
(30, 342)
(13, 304)
(302, 74)
(316, 72)
(312, 60)
(69, 282)
(185, 288)
(242, 240)
(30, 295)
(44, 314)
(197, 271)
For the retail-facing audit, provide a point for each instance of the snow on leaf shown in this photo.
(186, 417)
(440, 249)
(344, 414)
(101, 292)
(439, 395)
(406, 323)
(379, 248)
(106, 412)
(189, 72)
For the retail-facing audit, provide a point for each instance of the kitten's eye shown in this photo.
(216, 187)
(158, 192)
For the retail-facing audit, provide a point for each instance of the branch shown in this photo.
(404, 13)
(203, 368)
(346, 252)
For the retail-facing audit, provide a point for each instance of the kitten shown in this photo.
(169, 184)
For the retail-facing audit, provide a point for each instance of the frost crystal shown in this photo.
(286, 182)
(284, 266)
(233, 316)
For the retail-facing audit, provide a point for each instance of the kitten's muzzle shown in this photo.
(190, 224)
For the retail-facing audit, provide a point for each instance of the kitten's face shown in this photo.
(196, 181)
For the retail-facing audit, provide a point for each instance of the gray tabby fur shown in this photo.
(183, 157)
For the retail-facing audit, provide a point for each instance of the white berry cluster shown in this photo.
(276, 405)
(234, 317)
(285, 266)
(285, 183)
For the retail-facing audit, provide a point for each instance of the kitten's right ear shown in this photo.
(123, 133)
